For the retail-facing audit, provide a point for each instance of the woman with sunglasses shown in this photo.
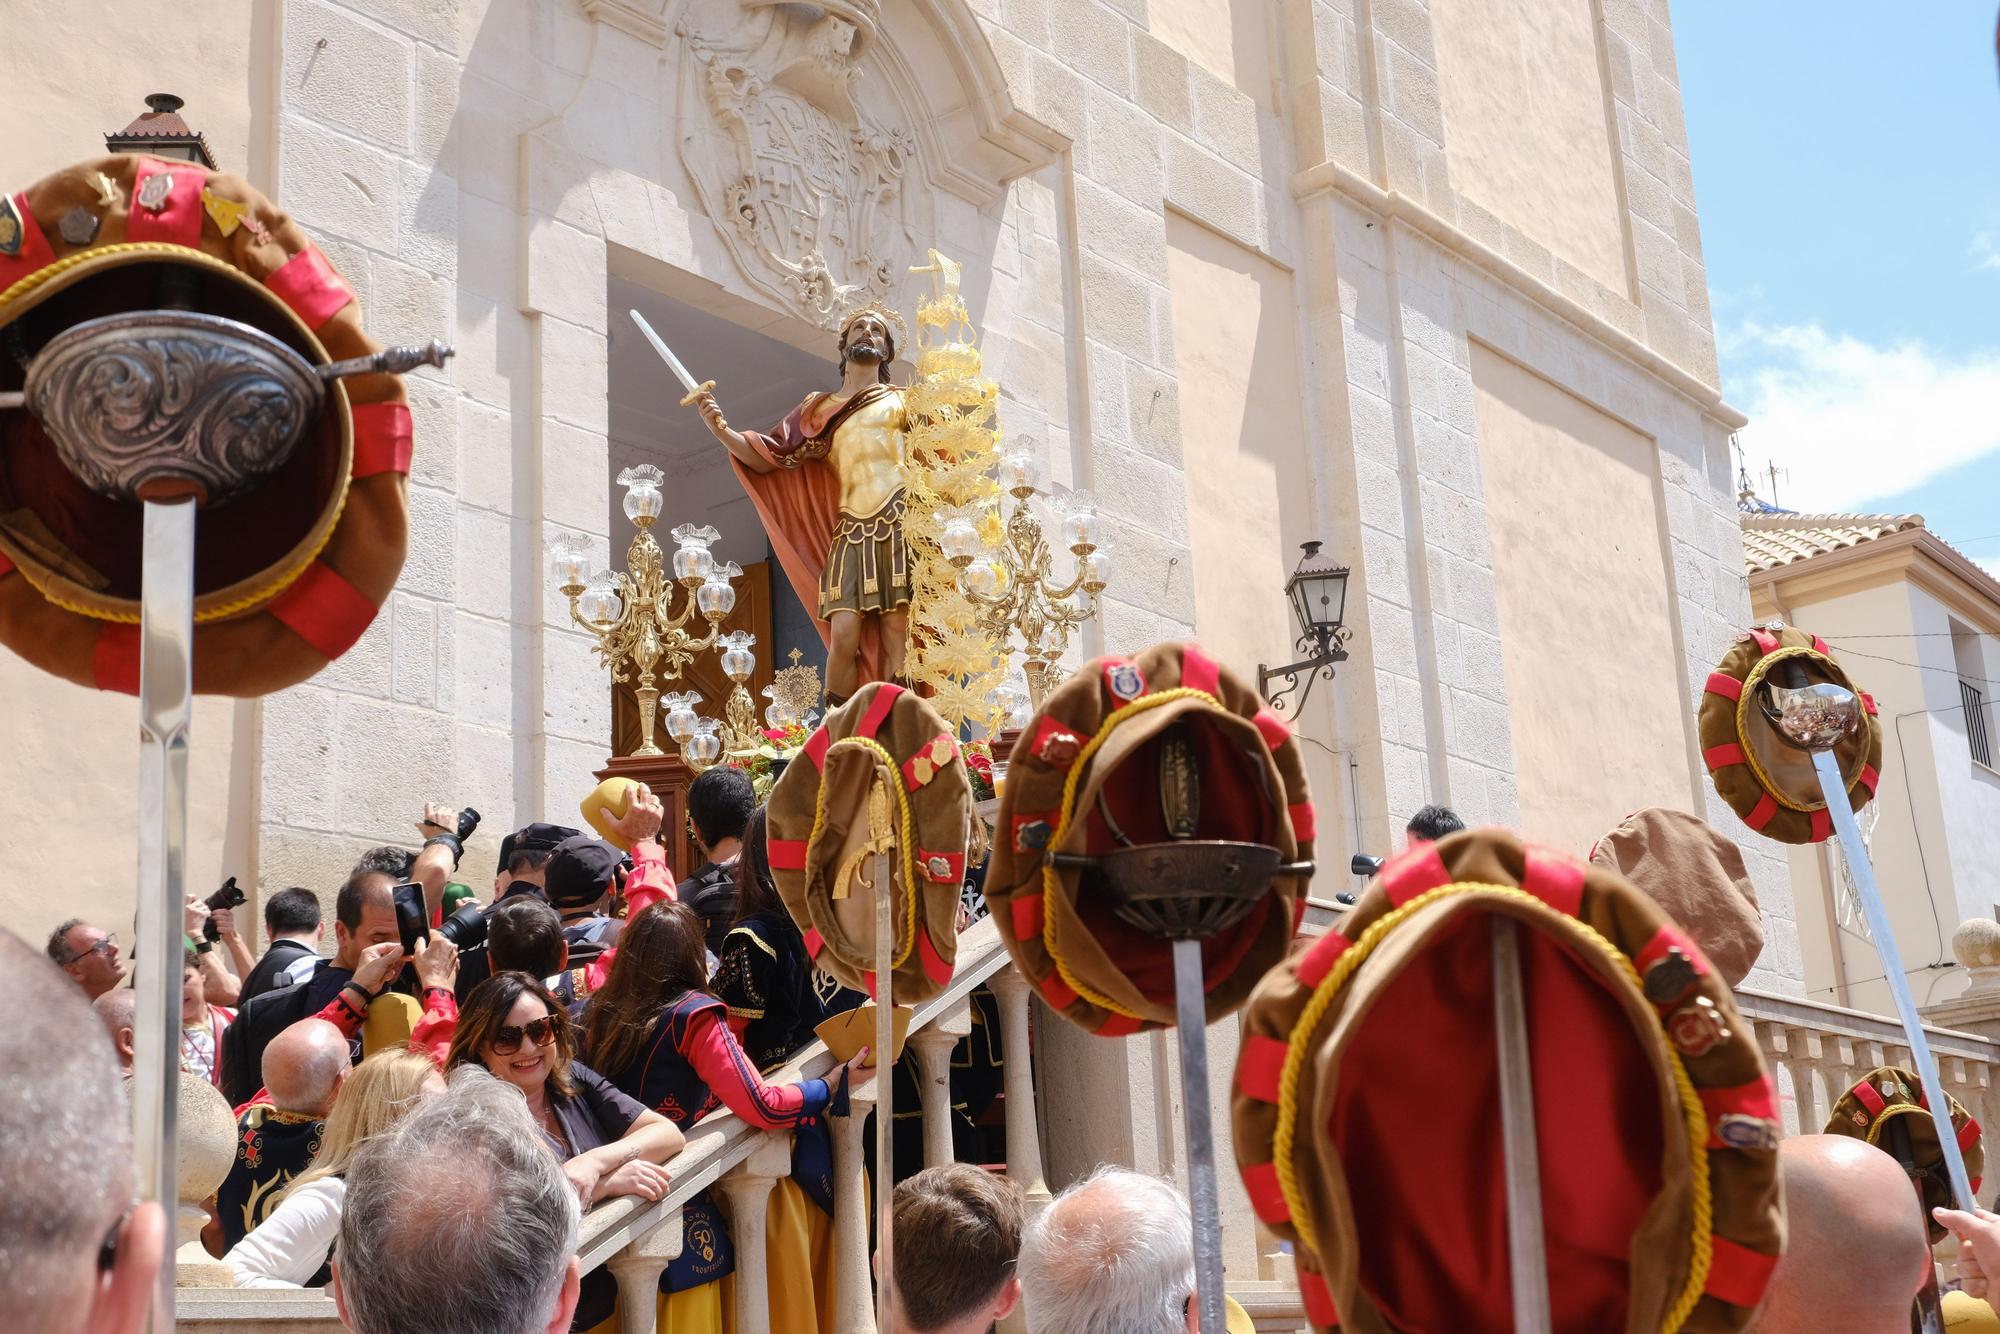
(663, 1038)
(609, 1144)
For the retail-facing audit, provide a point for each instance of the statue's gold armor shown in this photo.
(867, 566)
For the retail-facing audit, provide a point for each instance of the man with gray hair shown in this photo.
(458, 1219)
(119, 1012)
(1114, 1254)
(76, 1253)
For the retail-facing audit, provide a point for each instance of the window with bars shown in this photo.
(1975, 722)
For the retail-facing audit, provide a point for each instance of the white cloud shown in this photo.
(1848, 419)
(1985, 255)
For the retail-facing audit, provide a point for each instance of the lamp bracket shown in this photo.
(1299, 676)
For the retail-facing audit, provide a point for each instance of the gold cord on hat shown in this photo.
(907, 853)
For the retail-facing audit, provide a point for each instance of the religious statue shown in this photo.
(828, 483)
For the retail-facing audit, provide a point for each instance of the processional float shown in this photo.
(202, 462)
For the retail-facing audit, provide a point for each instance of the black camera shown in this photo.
(1365, 866)
(229, 896)
(465, 928)
(468, 821)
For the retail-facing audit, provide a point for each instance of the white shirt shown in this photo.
(288, 1248)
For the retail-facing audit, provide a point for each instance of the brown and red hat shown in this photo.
(1690, 868)
(288, 576)
(1086, 780)
(1768, 782)
(1887, 1108)
(881, 777)
(1367, 1090)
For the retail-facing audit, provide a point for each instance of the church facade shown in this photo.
(1417, 279)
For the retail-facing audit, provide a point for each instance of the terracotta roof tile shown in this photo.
(1771, 540)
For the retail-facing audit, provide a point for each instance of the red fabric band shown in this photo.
(1555, 880)
(1199, 672)
(916, 775)
(814, 941)
(816, 746)
(1868, 703)
(115, 660)
(935, 968)
(954, 867)
(324, 610)
(6, 567)
(1057, 992)
(1721, 757)
(1721, 683)
(1869, 778)
(382, 436)
(1318, 959)
(1819, 646)
(33, 253)
(1762, 813)
(178, 221)
(1968, 1135)
(1272, 728)
(1117, 1026)
(1411, 874)
(1737, 1274)
(1267, 1197)
(883, 700)
(1766, 641)
(1025, 912)
(1315, 1296)
(1305, 822)
(307, 283)
(786, 854)
(868, 984)
(1822, 824)
(1260, 1066)
(1865, 1094)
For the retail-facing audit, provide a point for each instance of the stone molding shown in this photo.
(1394, 204)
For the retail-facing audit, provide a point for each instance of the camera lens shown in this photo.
(465, 928)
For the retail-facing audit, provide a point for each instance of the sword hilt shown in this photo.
(705, 387)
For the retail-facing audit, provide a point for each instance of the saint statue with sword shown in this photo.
(828, 484)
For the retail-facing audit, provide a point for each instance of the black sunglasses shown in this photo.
(541, 1032)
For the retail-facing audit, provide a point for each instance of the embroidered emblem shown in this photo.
(939, 867)
(1125, 681)
(1032, 836)
(107, 191)
(227, 214)
(1058, 748)
(12, 233)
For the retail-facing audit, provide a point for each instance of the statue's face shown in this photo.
(867, 340)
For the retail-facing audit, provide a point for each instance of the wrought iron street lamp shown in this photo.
(1317, 592)
(161, 132)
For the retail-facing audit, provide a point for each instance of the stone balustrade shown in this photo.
(636, 1239)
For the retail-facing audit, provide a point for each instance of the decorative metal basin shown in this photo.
(1811, 717)
(1186, 889)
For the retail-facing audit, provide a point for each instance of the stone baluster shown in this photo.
(934, 1045)
(853, 1293)
(637, 1269)
(746, 1193)
(1024, 1146)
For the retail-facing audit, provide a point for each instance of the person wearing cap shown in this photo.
(524, 858)
(719, 803)
(584, 871)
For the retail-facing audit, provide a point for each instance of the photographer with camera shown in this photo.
(207, 920)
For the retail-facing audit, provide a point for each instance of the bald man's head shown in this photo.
(304, 1067)
(1857, 1240)
(119, 1012)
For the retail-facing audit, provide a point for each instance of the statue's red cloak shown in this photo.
(799, 504)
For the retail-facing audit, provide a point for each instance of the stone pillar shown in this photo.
(637, 1269)
(853, 1299)
(746, 1190)
(934, 1046)
(1024, 1145)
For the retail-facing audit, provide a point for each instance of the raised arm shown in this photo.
(734, 440)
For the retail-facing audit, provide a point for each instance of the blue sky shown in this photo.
(1847, 169)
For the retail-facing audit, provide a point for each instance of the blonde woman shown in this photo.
(289, 1249)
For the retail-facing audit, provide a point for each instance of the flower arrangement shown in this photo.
(979, 766)
(769, 759)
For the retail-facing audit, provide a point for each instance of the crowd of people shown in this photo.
(421, 1130)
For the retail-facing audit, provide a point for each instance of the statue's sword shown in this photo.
(694, 390)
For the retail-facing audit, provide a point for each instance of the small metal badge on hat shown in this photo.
(153, 195)
(1739, 1130)
(78, 226)
(12, 233)
(1669, 977)
(1697, 1027)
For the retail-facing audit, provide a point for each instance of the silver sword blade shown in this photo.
(1834, 789)
(885, 1087)
(1527, 1251)
(1198, 1123)
(166, 698)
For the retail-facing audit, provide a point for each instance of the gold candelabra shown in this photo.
(639, 636)
(1013, 586)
